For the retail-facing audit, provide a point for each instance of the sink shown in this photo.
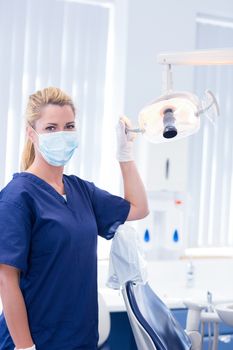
(225, 312)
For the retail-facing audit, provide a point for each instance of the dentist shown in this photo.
(49, 224)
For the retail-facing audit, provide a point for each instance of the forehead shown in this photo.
(56, 114)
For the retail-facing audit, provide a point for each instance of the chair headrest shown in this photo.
(126, 261)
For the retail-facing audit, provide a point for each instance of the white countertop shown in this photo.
(168, 280)
(115, 302)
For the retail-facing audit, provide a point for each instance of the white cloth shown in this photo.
(124, 140)
(31, 348)
(126, 261)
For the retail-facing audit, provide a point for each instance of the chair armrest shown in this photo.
(195, 338)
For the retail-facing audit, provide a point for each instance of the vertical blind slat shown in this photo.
(59, 43)
(211, 177)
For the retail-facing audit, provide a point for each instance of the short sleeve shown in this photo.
(110, 211)
(15, 233)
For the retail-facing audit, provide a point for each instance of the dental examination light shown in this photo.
(176, 114)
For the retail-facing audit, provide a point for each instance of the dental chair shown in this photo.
(153, 324)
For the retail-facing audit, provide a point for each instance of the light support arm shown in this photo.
(198, 57)
(167, 81)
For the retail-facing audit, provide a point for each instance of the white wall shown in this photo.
(153, 27)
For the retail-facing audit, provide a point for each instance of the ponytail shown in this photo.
(28, 155)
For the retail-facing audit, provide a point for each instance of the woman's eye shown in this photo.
(53, 128)
(72, 126)
(50, 128)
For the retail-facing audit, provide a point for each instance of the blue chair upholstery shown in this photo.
(156, 318)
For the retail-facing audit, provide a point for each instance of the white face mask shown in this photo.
(57, 147)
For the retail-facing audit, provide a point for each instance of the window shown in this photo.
(211, 150)
(78, 46)
(68, 44)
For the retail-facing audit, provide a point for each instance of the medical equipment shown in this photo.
(212, 320)
(124, 141)
(225, 312)
(176, 114)
(209, 315)
(145, 310)
(157, 329)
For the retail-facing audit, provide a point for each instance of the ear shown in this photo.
(31, 134)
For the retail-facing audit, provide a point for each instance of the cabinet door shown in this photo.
(225, 342)
(167, 166)
(121, 335)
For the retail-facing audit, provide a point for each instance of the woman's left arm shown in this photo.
(134, 190)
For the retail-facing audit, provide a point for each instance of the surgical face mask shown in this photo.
(57, 147)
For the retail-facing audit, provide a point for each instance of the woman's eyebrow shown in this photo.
(55, 124)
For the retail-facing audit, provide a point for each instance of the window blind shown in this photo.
(53, 43)
(211, 149)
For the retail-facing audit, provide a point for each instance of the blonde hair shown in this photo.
(36, 102)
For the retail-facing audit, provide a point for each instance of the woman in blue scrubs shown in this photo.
(49, 224)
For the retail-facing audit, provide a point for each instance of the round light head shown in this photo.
(170, 117)
(170, 130)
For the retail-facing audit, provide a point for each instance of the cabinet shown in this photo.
(167, 166)
(225, 343)
(121, 336)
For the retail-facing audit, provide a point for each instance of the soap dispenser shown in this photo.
(190, 275)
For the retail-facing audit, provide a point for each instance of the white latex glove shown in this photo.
(33, 347)
(124, 140)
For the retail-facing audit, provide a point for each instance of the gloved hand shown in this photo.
(124, 140)
(33, 347)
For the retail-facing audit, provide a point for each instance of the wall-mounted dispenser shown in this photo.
(163, 232)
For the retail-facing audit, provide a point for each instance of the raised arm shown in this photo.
(134, 190)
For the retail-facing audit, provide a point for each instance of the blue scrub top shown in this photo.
(54, 244)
